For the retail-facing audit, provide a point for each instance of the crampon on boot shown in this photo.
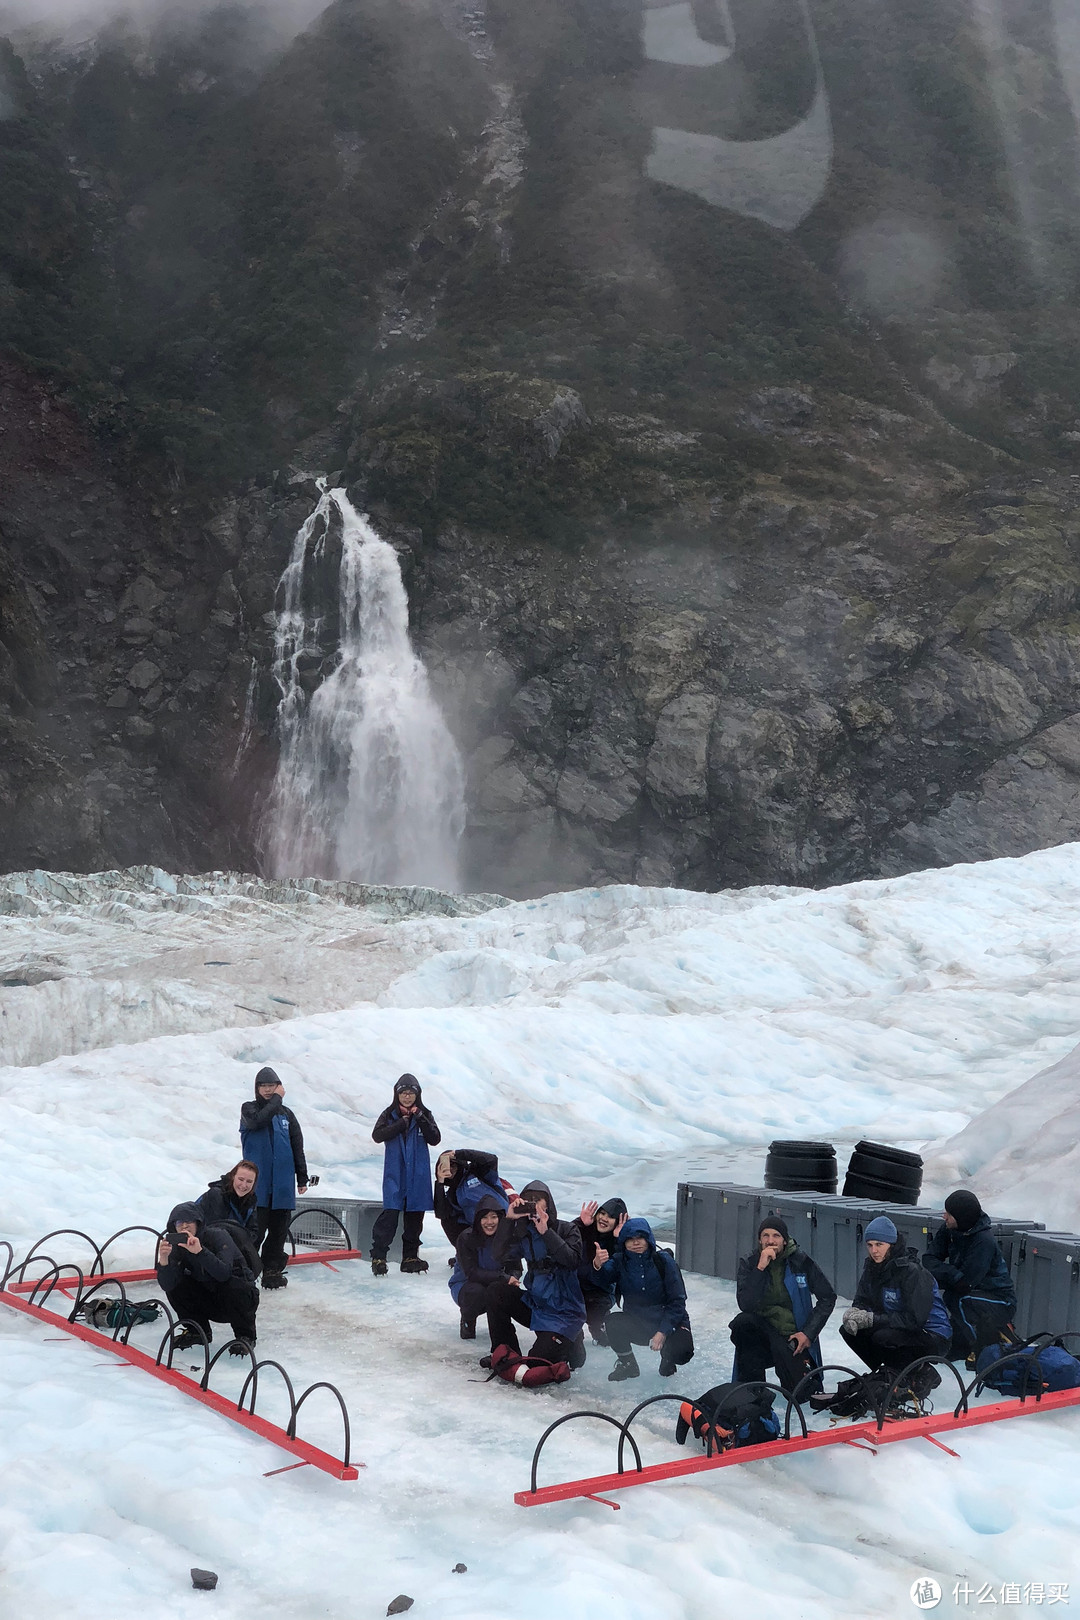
(414, 1264)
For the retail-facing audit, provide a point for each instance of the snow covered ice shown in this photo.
(612, 1040)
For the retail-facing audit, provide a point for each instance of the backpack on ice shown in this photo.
(528, 1372)
(1037, 1368)
(102, 1313)
(748, 1420)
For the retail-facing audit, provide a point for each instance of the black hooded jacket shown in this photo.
(237, 1216)
(970, 1262)
(901, 1294)
(219, 1262)
(473, 1241)
(467, 1162)
(559, 1246)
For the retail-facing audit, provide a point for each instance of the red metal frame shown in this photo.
(322, 1257)
(176, 1380)
(906, 1429)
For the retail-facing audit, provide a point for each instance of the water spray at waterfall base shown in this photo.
(369, 783)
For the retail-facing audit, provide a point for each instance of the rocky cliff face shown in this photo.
(739, 551)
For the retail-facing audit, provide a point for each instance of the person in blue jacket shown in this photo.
(653, 1302)
(784, 1299)
(550, 1301)
(271, 1138)
(407, 1130)
(477, 1267)
(898, 1313)
(463, 1176)
(966, 1261)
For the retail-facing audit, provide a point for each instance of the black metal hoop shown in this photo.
(624, 1428)
(571, 1417)
(170, 1337)
(204, 1382)
(52, 1276)
(253, 1379)
(155, 1299)
(291, 1431)
(9, 1263)
(882, 1406)
(808, 1378)
(69, 1231)
(88, 1293)
(314, 1209)
(124, 1230)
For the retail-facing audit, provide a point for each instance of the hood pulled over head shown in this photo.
(186, 1212)
(488, 1203)
(614, 1208)
(540, 1189)
(266, 1077)
(408, 1082)
(637, 1227)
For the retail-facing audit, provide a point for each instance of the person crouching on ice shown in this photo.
(550, 1302)
(600, 1225)
(476, 1269)
(784, 1300)
(653, 1301)
(202, 1274)
(898, 1313)
(407, 1131)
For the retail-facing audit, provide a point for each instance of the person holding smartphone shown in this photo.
(785, 1299)
(550, 1300)
(205, 1278)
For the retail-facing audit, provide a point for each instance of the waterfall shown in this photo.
(369, 784)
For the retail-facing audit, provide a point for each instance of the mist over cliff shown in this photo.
(713, 368)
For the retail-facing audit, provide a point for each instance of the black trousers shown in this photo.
(598, 1307)
(507, 1305)
(234, 1302)
(625, 1329)
(759, 1346)
(382, 1233)
(271, 1233)
(976, 1322)
(473, 1300)
(890, 1349)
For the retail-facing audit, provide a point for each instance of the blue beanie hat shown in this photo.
(880, 1230)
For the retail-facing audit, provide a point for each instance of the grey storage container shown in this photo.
(1047, 1276)
(716, 1222)
(313, 1229)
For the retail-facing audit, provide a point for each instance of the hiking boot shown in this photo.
(241, 1347)
(414, 1265)
(468, 1329)
(378, 1266)
(850, 1399)
(187, 1340)
(667, 1368)
(625, 1367)
(485, 1361)
(275, 1279)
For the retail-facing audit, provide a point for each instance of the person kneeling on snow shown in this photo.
(600, 1226)
(784, 1301)
(230, 1202)
(897, 1314)
(407, 1130)
(202, 1274)
(653, 1302)
(271, 1138)
(550, 1302)
(476, 1269)
(462, 1178)
(966, 1262)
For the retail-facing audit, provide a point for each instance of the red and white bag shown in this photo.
(528, 1372)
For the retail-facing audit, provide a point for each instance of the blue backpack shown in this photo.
(1045, 1368)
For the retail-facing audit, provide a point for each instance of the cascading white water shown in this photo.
(369, 783)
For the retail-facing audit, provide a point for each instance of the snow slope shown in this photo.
(613, 1040)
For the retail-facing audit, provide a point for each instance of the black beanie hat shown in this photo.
(266, 1077)
(408, 1082)
(614, 1208)
(964, 1208)
(774, 1223)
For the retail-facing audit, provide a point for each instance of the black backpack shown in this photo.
(746, 1420)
